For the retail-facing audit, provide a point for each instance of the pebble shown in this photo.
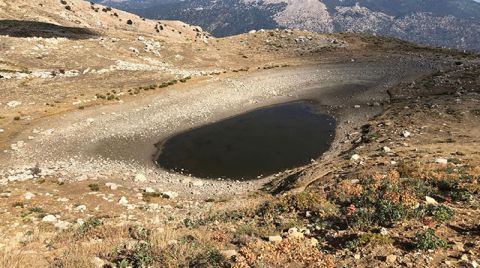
(28, 195)
(355, 157)
(406, 134)
(123, 201)
(387, 149)
(169, 195)
(111, 185)
(430, 201)
(49, 218)
(391, 258)
(275, 238)
(441, 161)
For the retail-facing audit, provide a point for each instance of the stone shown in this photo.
(386, 149)
(464, 258)
(313, 242)
(383, 231)
(406, 134)
(49, 218)
(13, 104)
(28, 195)
(149, 190)
(441, 161)
(356, 106)
(169, 195)
(2, 130)
(355, 157)
(62, 225)
(123, 201)
(430, 201)
(474, 264)
(294, 233)
(111, 185)
(391, 258)
(275, 238)
(90, 121)
(140, 178)
(98, 263)
(81, 208)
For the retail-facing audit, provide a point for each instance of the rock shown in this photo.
(2, 130)
(62, 225)
(28, 195)
(13, 104)
(111, 185)
(149, 190)
(140, 178)
(441, 161)
(229, 253)
(98, 263)
(49, 218)
(252, 31)
(313, 242)
(459, 246)
(81, 208)
(356, 256)
(391, 258)
(474, 264)
(406, 134)
(430, 201)
(123, 201)
(169, 195)
(90, 121)
(356, 106)
(275, 238)
(294, 233)
(464, 258)
(386, 149)
(355, 157)
(383, 231)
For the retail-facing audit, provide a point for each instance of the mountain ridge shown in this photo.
(445, 23)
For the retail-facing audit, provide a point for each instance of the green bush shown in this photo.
(428, 240)
(441, 213)
(369, 239)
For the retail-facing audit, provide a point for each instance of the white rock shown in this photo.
(49, 218)
(275, 238)
(387, 149)
(383, 231)
(90, 121)
(355, 157)
(169, 195)
(62, 225)
(356, 106)
(406, 134)
(28, 195)
(2, 130)
(252, 31)
(430, 201)
(81, 208)
(197, 183)
(111, 185)
(123, 201)
(442, 161)
(13, 104)
(149, 190)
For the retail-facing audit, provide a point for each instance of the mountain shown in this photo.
(448, 23)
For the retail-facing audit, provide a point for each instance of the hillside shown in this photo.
(91, 95)
(440, 23)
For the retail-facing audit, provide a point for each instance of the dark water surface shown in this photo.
(258, 143)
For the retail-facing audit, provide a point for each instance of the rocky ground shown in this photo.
(81, 112)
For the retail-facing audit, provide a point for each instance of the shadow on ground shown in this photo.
(22, 28)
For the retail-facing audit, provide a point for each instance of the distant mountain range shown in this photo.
(448, 23)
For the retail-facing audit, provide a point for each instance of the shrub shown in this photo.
(369, 239)
(441, 213)
(89, 225)
(94, 187)
(428, 240)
